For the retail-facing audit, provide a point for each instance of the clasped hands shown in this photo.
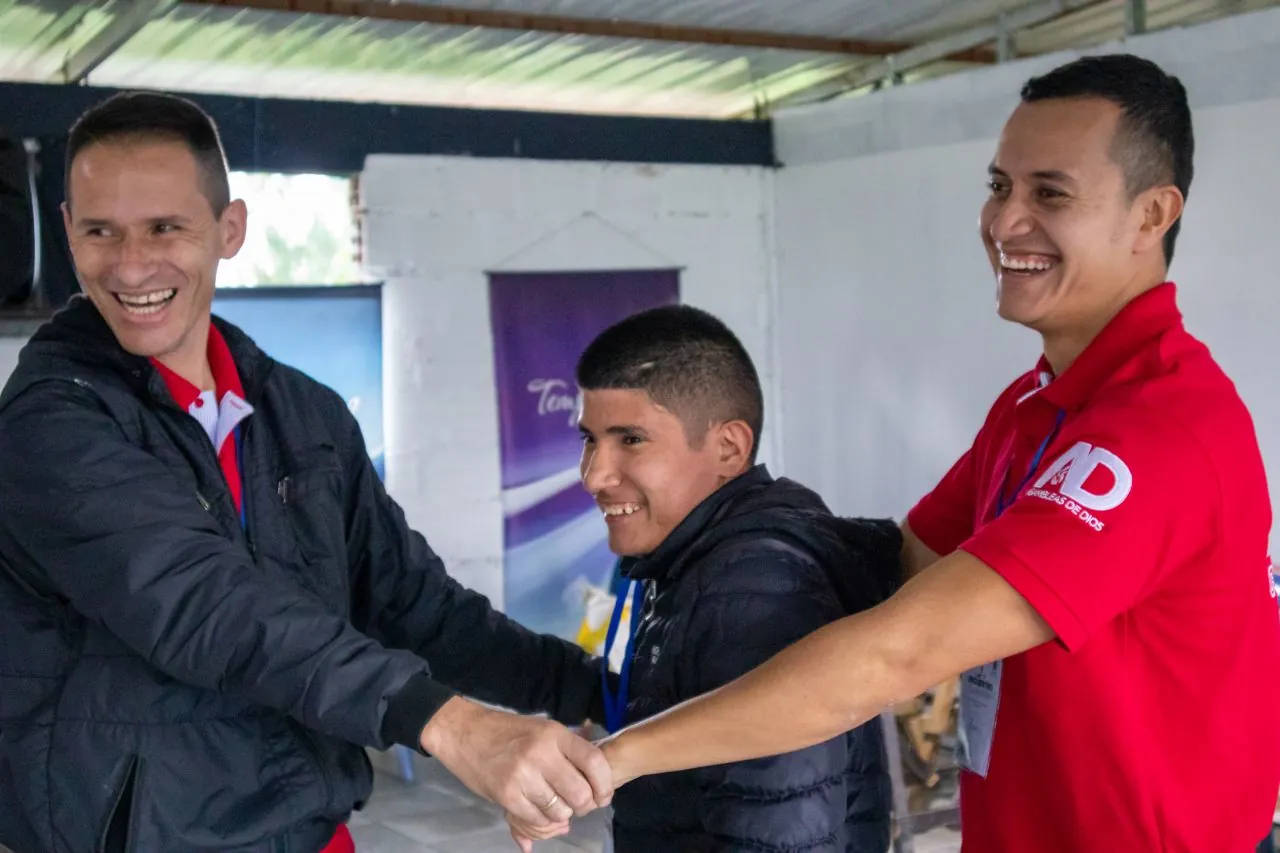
(537, 770)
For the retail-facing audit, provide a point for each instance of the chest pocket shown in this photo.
(310, 493)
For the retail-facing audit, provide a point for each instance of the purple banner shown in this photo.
(554, 538)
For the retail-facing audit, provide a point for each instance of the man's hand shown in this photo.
(524, 835)
(537, 770)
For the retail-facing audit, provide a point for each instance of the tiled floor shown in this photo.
(436, 814)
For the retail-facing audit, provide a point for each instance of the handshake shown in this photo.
(541, 773)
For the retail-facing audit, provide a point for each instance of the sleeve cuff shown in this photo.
(411, 709)
(925, 528)
(1071, 632)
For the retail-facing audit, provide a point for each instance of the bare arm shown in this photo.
(916, 556)
(941, 623)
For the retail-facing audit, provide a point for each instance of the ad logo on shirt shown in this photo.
(1085, 480)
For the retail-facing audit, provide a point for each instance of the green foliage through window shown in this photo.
(301, 230)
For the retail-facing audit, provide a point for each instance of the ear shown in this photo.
(734, 440)
(66, 217)
(233, 222)
(1159, 208)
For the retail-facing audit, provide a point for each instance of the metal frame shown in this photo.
(497, 19)
(123, 26)
(999, 29)
(1135, 17)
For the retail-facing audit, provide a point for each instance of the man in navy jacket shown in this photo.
(728, 566)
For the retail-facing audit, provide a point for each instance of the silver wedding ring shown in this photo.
(555, 798)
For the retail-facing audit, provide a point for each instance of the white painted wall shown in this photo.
(890, 350)
(435, 225)
(9, 349)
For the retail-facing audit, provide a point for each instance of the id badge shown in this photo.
(979, 701)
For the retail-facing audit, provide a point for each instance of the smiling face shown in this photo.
(147, 243)
(639, 465)
(1067, 242)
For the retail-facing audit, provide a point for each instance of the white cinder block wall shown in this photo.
(888, 339)
(435, 225)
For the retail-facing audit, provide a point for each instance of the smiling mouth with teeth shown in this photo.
(1026, 264)
(143, 304)
(617, 510)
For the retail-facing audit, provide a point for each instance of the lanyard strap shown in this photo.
(1001, 503)
(615, 707)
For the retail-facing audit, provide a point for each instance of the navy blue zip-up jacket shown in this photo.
(755, 567)
(171, 685)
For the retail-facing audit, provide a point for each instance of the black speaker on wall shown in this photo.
(36, 273)
(18, 232)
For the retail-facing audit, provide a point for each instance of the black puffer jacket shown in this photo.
(755, 567)
(188, 687)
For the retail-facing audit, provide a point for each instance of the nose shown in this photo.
(135, 260)
(599, 468)
(1008, 218)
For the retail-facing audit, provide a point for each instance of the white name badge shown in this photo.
(979, 701)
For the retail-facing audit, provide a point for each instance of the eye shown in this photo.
(1050, 194)
(165, 228)
(587, 438)
(632, 440)
(997, 186)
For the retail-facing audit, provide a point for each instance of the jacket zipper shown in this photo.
(241, 455)
(123, 800)
(206, 504)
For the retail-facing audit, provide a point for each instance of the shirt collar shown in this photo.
(226, 379)
(1144, 318)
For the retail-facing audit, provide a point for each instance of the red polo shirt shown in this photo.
(220, 412)
(1140, 536)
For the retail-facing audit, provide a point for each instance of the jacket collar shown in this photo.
(79, 332)
(667, 559)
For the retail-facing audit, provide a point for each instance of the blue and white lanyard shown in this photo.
(615, 706)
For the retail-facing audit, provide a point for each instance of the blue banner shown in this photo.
(332, 334)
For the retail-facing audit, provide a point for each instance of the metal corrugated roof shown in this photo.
(1105, 22)
(227, 49)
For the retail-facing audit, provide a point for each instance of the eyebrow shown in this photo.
(1054, 175)
(154, 220)
(619, 429)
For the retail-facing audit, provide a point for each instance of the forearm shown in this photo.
(406, 599)
(815, 685)
(953, 617)
(480, 652)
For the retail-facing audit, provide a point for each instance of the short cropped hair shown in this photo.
(1155, 144)
(155, 117)
(687, 361)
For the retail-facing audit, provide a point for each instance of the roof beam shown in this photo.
(450, 16)
(886, 69)
(1135, 17)
(124, 25)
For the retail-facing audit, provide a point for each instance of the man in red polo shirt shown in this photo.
(1096, 564)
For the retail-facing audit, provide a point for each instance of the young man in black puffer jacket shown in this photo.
(733, 566)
